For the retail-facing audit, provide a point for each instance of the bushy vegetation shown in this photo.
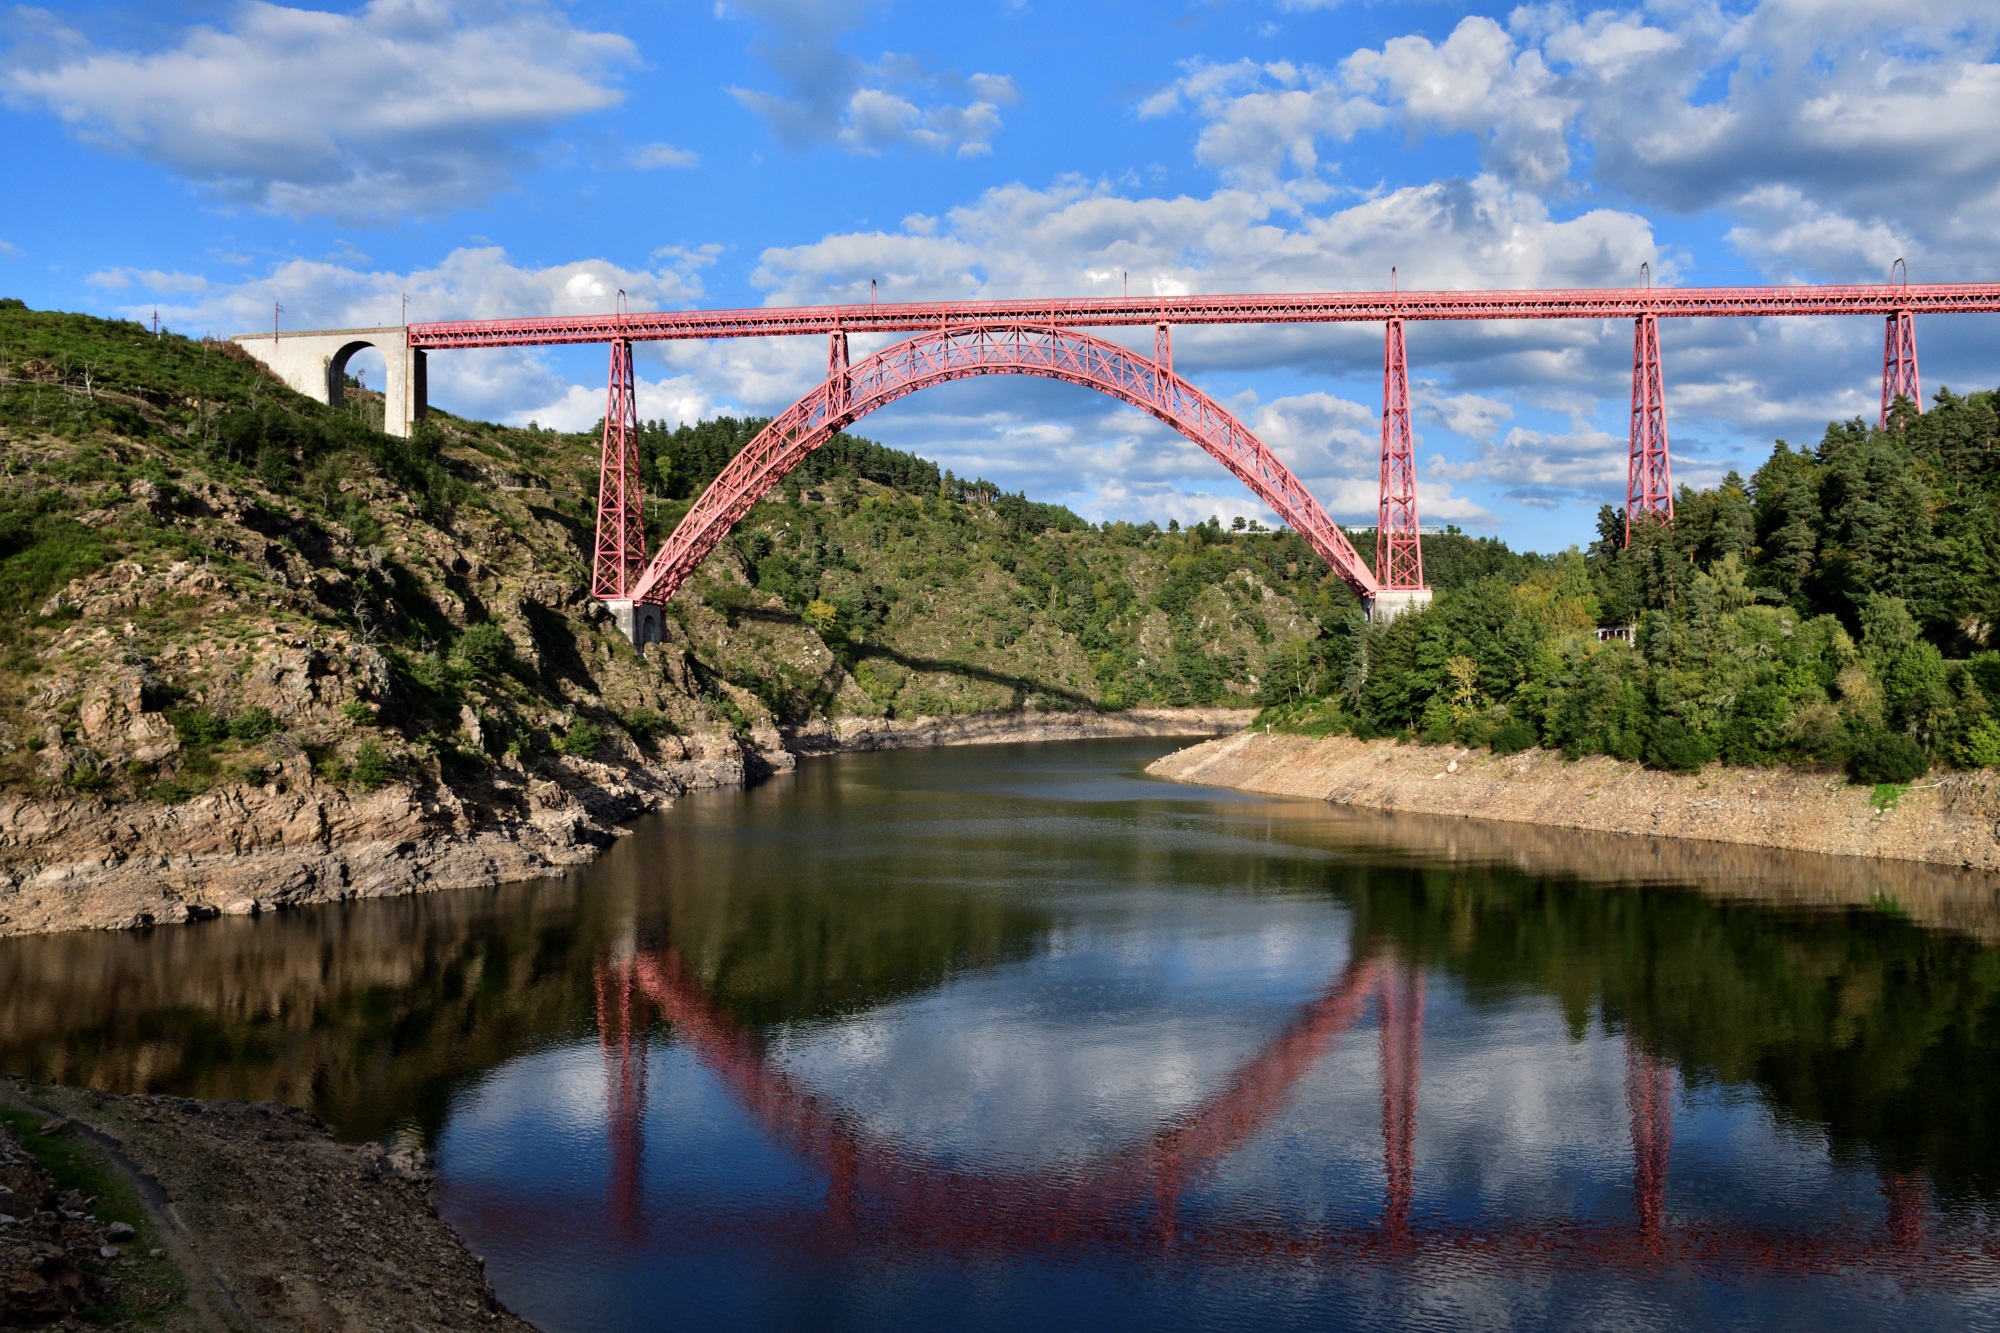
(1834, 608)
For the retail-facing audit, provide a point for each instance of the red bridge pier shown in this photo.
(1399, 551)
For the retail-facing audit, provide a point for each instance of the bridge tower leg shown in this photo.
(620, 556)
(1399, 552)
(1649, 1095)
(1401, 1023)
(1899, 364)
(621, 1033)
(1649, 484)
(840, 389)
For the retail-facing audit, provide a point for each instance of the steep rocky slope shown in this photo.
(253, 652)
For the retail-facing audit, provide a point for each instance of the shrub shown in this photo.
(581, 740)
(643, 723)
(1887, 756)
(253, 724)
(372, 766)
(486, 648)
(1435, 727)
(1982, 744)
(1677, 747)
(1513, 736)
(197, 726)
(173, 791)
(84, 777)
(357, 712)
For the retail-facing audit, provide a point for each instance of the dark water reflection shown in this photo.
(1014, 1036)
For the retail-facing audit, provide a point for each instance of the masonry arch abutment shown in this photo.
(314, 364)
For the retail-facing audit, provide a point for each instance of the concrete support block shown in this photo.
(642, 622)
(315, 364)
(1389, 603)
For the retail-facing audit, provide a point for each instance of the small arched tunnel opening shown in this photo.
(359, 366)
(642, 622)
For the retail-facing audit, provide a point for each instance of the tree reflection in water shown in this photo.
(1856, 1000)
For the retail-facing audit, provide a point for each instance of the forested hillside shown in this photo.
(207, 582)
(1835, 608)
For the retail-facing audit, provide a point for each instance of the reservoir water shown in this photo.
(1017, 1037)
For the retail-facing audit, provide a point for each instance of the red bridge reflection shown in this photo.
(881, 1194)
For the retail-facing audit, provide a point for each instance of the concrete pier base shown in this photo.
(315, 364)
(642, 622)
(1389, 603)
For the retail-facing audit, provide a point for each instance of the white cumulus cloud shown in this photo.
(830, 96)
(402, 107)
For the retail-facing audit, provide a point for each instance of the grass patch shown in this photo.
(1310, 717)
(148, 1291)
(1887, 796)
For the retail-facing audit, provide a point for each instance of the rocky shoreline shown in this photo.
(1949, 820)
(83, 864)
(214, 1215)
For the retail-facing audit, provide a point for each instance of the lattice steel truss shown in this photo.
(1280, 308)
(956, 353)
(621, 521)
(1649, 482)
(1899, 364)
(1399, 552)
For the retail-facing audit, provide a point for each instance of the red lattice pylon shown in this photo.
(1899, 364)
(621, 522)
(1399, 552)
(1649, 484)
(839, 389)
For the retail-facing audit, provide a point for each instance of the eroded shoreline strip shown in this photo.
(82, 864)
(1949, 820)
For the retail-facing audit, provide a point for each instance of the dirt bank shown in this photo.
(868, 733)
(80, 863)
(240, 1215)
(1949, 820)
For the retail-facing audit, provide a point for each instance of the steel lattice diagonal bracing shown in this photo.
(961, 352)
(621, 530)
(1282, 308)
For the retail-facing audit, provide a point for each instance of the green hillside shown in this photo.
(1838, 607)
(207, 579)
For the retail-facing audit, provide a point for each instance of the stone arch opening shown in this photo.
(372, 369)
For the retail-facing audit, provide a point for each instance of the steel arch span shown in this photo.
(851, 392)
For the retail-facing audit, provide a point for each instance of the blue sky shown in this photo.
(495, 157)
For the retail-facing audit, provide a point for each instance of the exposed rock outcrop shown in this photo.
(79, 864)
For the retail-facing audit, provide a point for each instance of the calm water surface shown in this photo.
(1017, 1037)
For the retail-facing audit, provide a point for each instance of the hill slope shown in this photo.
(254, 651)
(1836, 608)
